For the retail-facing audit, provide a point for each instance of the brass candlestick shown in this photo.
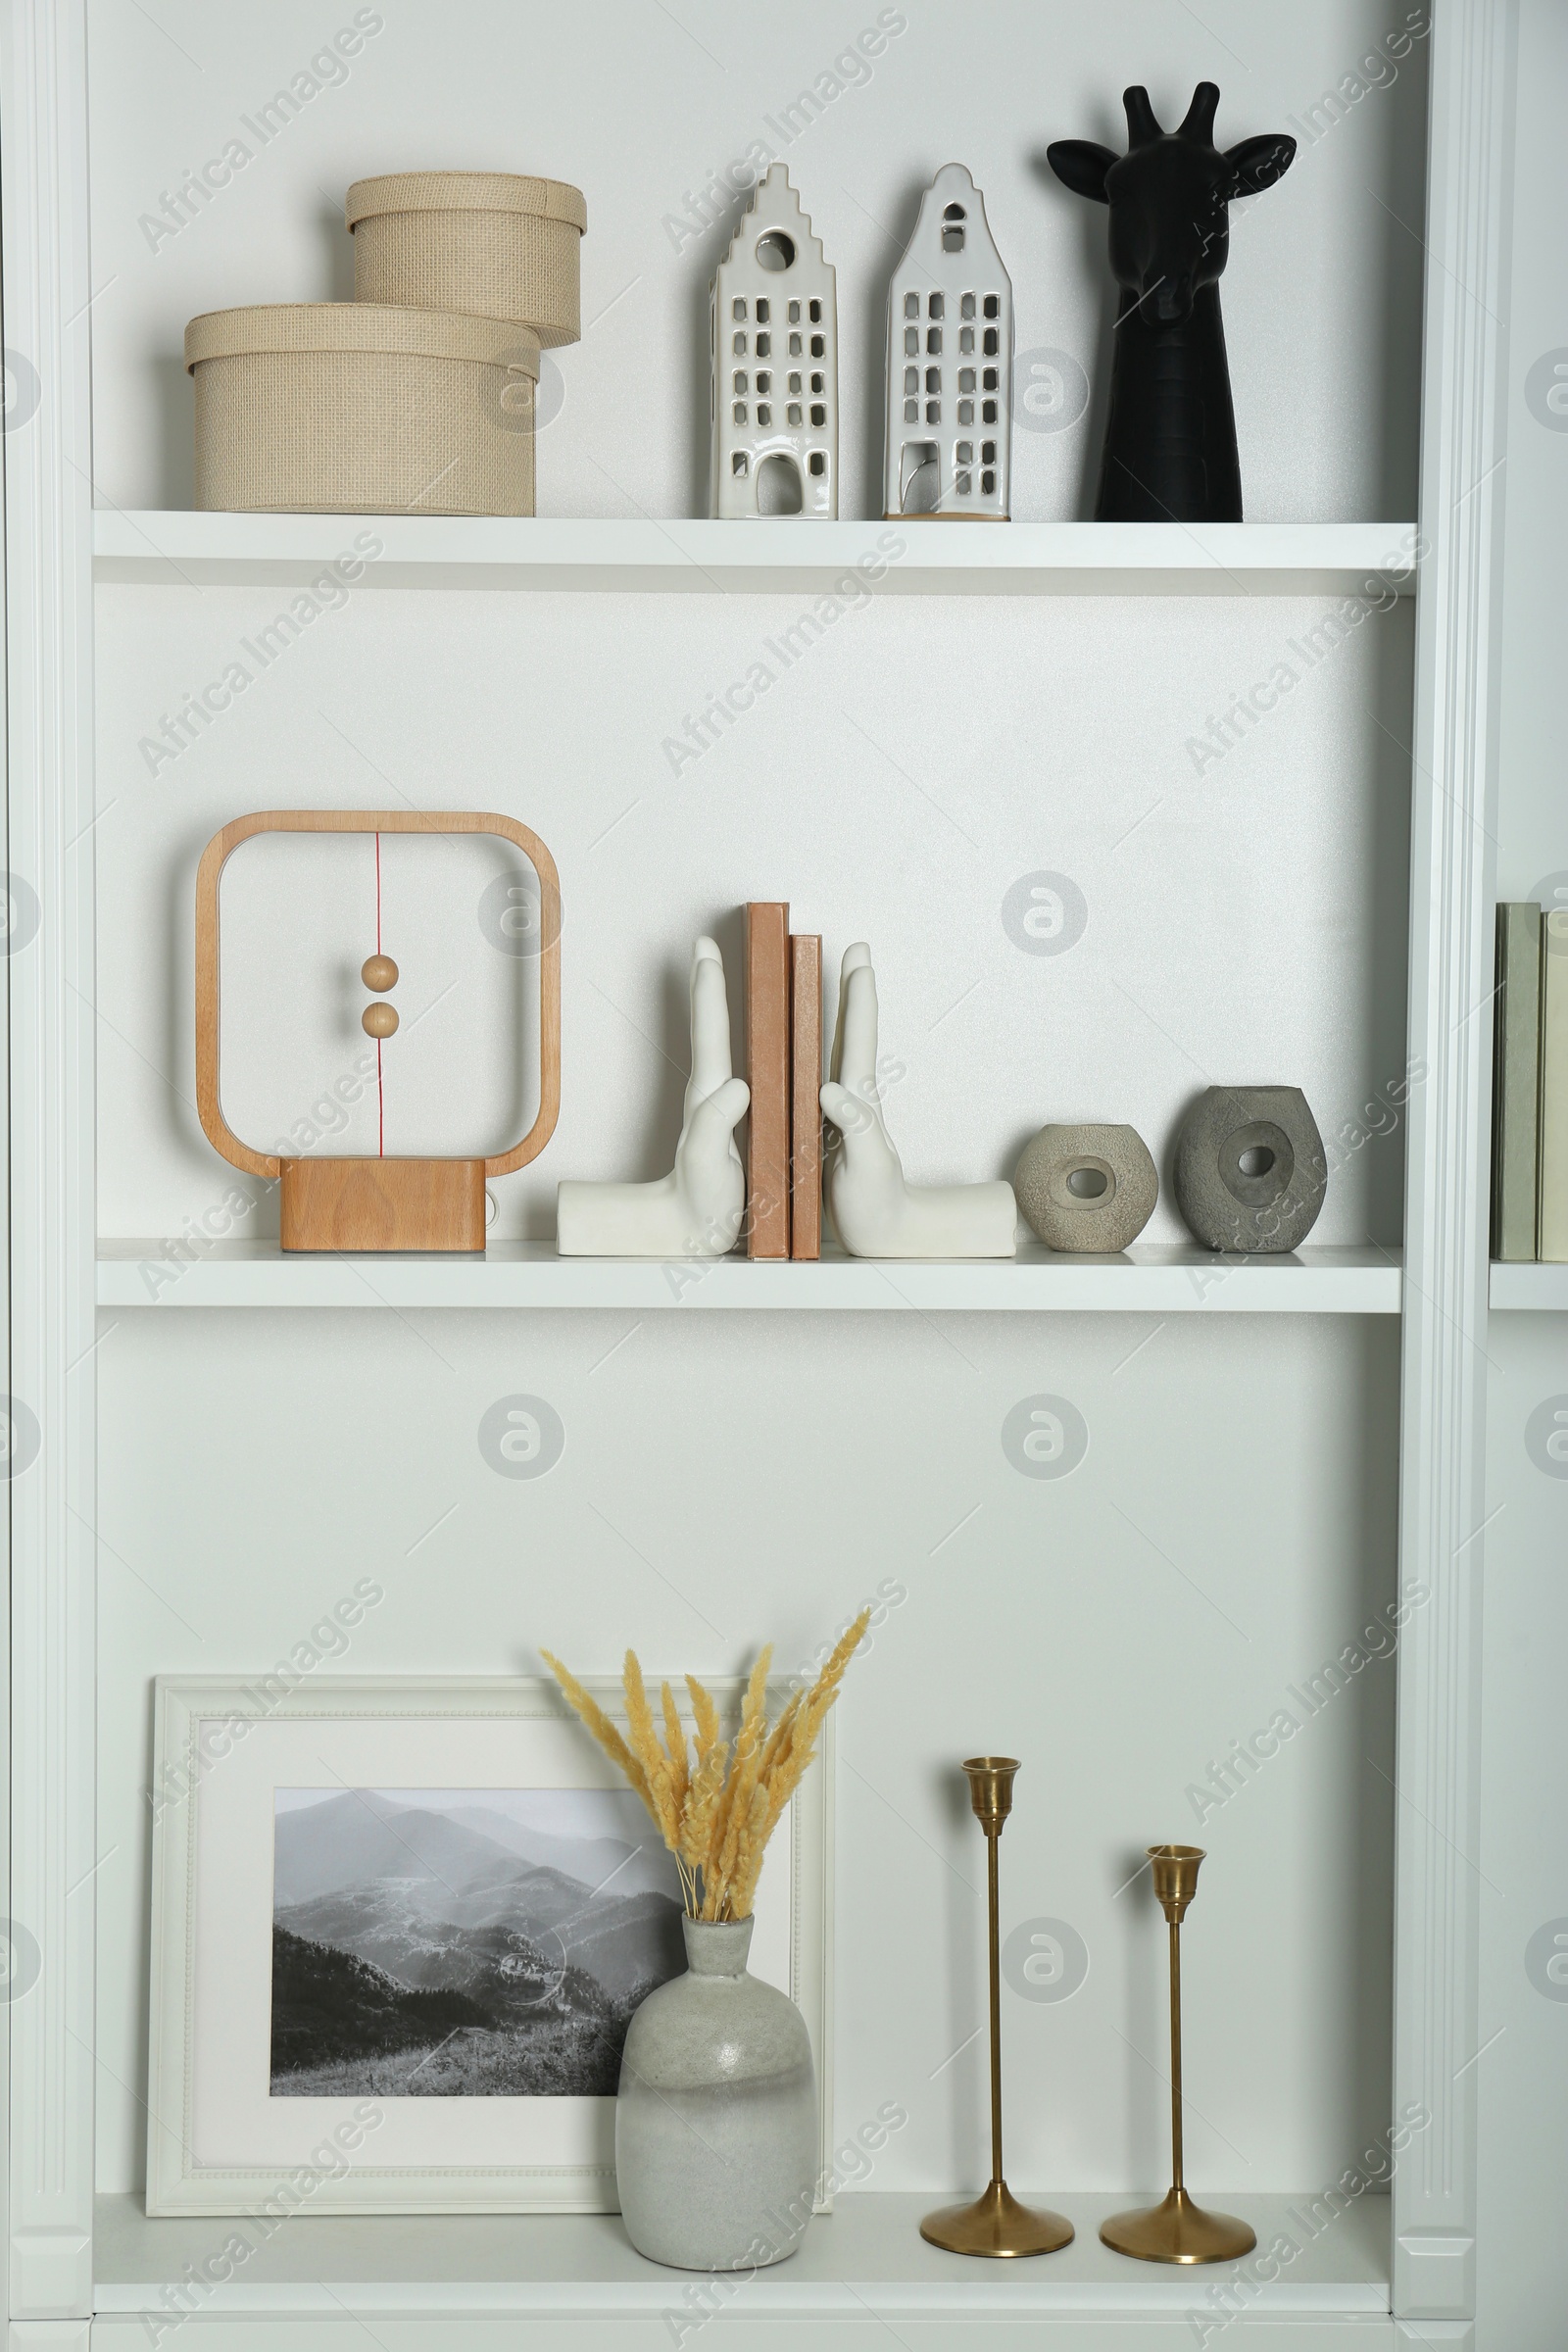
(1176, 2230)
(995, 2223)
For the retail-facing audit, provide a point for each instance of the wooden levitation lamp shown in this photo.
(377, 1204)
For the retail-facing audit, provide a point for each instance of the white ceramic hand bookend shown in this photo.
(875, 1212)
(696, 1211)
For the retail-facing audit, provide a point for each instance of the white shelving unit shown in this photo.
(1539, 1287)
(649, 557)
(866, 2264)
(1281, 1449)
(1149, 1280)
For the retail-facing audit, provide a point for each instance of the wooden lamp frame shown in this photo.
(375, 1204)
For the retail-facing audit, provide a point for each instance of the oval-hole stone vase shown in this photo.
(1086, 1188)
(1251, 1172)
(717, 2154)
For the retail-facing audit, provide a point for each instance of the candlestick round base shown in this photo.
(1178, 2230)
(996, 2223)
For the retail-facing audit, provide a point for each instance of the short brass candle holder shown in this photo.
(996, 2223)
(1176, 2230)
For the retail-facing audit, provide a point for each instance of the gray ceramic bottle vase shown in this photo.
(1250, 1172)
(716, 2131)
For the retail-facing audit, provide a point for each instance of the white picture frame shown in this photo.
(218, 2141)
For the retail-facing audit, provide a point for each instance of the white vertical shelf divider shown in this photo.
(48, 604)
(1443, 1507)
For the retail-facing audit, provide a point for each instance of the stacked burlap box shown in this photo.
(419, 396)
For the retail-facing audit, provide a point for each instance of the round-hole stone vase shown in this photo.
(716, 2131)
(1251, 1173)
(1086, 1188)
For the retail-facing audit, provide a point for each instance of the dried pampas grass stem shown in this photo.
(716, 1807)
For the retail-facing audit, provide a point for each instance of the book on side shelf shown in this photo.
(1516, 1083)
(1551, 1227)
(768, 1074)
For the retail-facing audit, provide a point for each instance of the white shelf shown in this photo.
(866, 2258)
(1531, 1285)
(1147, 1280)
(175, 549)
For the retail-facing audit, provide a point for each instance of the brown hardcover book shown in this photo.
(805, 1108)
(768, 1074)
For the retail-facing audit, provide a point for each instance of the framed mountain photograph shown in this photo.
(399, 1930)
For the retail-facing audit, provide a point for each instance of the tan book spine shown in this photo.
(768, 1074)
(805, 1108)
(1516, 1073)
(1553, 1198)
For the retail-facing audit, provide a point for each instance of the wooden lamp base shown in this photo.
(358, 1204)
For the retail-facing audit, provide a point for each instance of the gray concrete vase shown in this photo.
(1086, 1188)
(1251, 1172)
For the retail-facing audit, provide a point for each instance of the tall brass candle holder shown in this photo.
(1176, 2230)
(995, 2223)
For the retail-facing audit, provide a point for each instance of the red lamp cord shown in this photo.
(381, 1097)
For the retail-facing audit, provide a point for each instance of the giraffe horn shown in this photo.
(1199, 123)
(1141, 123)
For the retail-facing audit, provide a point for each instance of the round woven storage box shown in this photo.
(345, 408)
(491, 242)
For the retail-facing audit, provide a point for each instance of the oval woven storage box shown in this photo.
(346, 408)
(489, 242)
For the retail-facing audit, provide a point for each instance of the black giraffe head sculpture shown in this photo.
(1170, 434)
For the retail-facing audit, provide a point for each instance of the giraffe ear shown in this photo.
(1256, 164)
(1082, 167)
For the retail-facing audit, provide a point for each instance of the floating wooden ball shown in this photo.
(380, 973)
(378, 1020)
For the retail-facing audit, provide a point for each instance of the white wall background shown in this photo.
(1230, 1529)
(638, 106)
(1233, 1522)
(1246, 921)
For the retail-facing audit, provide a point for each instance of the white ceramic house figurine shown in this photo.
(875, 1212)
(949, 447)
(696, 1211)
(773, 336)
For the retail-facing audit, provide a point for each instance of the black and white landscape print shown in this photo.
(479, 1944)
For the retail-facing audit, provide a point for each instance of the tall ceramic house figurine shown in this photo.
(1170, 432)
(774, 333)
(949, 447)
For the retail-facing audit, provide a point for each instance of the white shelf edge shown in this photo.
(1147, 1280)
(1528, 1286)
(866, 2257)
(199, 550)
